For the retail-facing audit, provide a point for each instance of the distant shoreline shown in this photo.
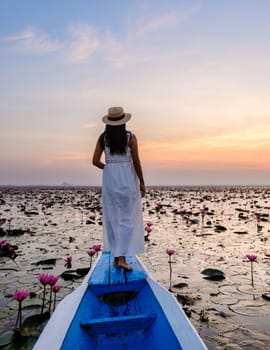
(70, 187)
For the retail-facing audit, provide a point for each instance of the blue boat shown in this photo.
(117, 310)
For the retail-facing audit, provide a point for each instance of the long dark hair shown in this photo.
(115, 137)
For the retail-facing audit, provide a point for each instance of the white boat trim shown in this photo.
(67, 308)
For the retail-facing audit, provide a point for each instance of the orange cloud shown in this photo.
(246, 148)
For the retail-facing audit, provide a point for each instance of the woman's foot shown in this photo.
(116, 261)
(123, 264)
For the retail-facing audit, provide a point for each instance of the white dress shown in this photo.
(123, 228)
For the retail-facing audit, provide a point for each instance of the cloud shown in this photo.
(134, 48)
(164, 20)
(89, 126)
(32, 40)
(248, 146)
(84, 42)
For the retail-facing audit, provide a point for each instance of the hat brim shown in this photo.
(116, 122)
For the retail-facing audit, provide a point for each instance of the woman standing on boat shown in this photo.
(122, 187)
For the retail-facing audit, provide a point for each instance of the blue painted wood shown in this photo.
(106, 277)
(111, 325)
(119, 310)
(121, 327)
(107, 274)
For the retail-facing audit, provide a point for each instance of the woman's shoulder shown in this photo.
(132, 139)
(130, 134)
(101, 139)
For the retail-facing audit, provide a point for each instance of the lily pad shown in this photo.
(180, 285)
(224, 299)
(254, 308)
(27, 304)
(213, 274)
(31, 324)
(266, 296)
(241, 232)
(220, 228)
(6, 338)
(83, 271)
(46, 262)
(70, 275)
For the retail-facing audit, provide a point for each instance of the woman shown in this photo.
(122, 187)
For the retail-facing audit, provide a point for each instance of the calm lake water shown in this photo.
(208, 227)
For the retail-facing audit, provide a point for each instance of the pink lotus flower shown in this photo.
(55, 289)
(53, 280)
(68, 261)
(148, 229)
(2, 221)
(158, 206)
(3, 243)
(251, 258)
(45, 278)
(170, 251)
(10, 249)
(20, 295)
(96, 247)
(9, 223)
(91, 253)
(202, 212)
(258, 217)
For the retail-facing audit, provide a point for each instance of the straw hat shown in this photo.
(116, 116)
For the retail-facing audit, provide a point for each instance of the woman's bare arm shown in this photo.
(97, 156)
(137, 162)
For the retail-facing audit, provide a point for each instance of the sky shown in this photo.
(194, 74)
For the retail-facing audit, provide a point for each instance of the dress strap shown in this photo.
(129, 135)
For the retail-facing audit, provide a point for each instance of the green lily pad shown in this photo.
(213, 274)
(180, 285)
(6, 338)
(31, 325)
(70, 275)
(266, 296)
(83, 271)
(26, 304)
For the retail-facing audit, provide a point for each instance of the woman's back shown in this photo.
(116, 157)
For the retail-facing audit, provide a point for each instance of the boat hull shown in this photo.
(114, 309)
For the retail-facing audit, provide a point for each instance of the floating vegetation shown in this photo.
(211, 228)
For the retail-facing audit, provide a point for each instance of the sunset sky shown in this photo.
(193, 74)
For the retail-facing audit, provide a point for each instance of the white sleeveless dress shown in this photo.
(123, 229)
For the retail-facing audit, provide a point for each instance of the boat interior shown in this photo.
(119, 311)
